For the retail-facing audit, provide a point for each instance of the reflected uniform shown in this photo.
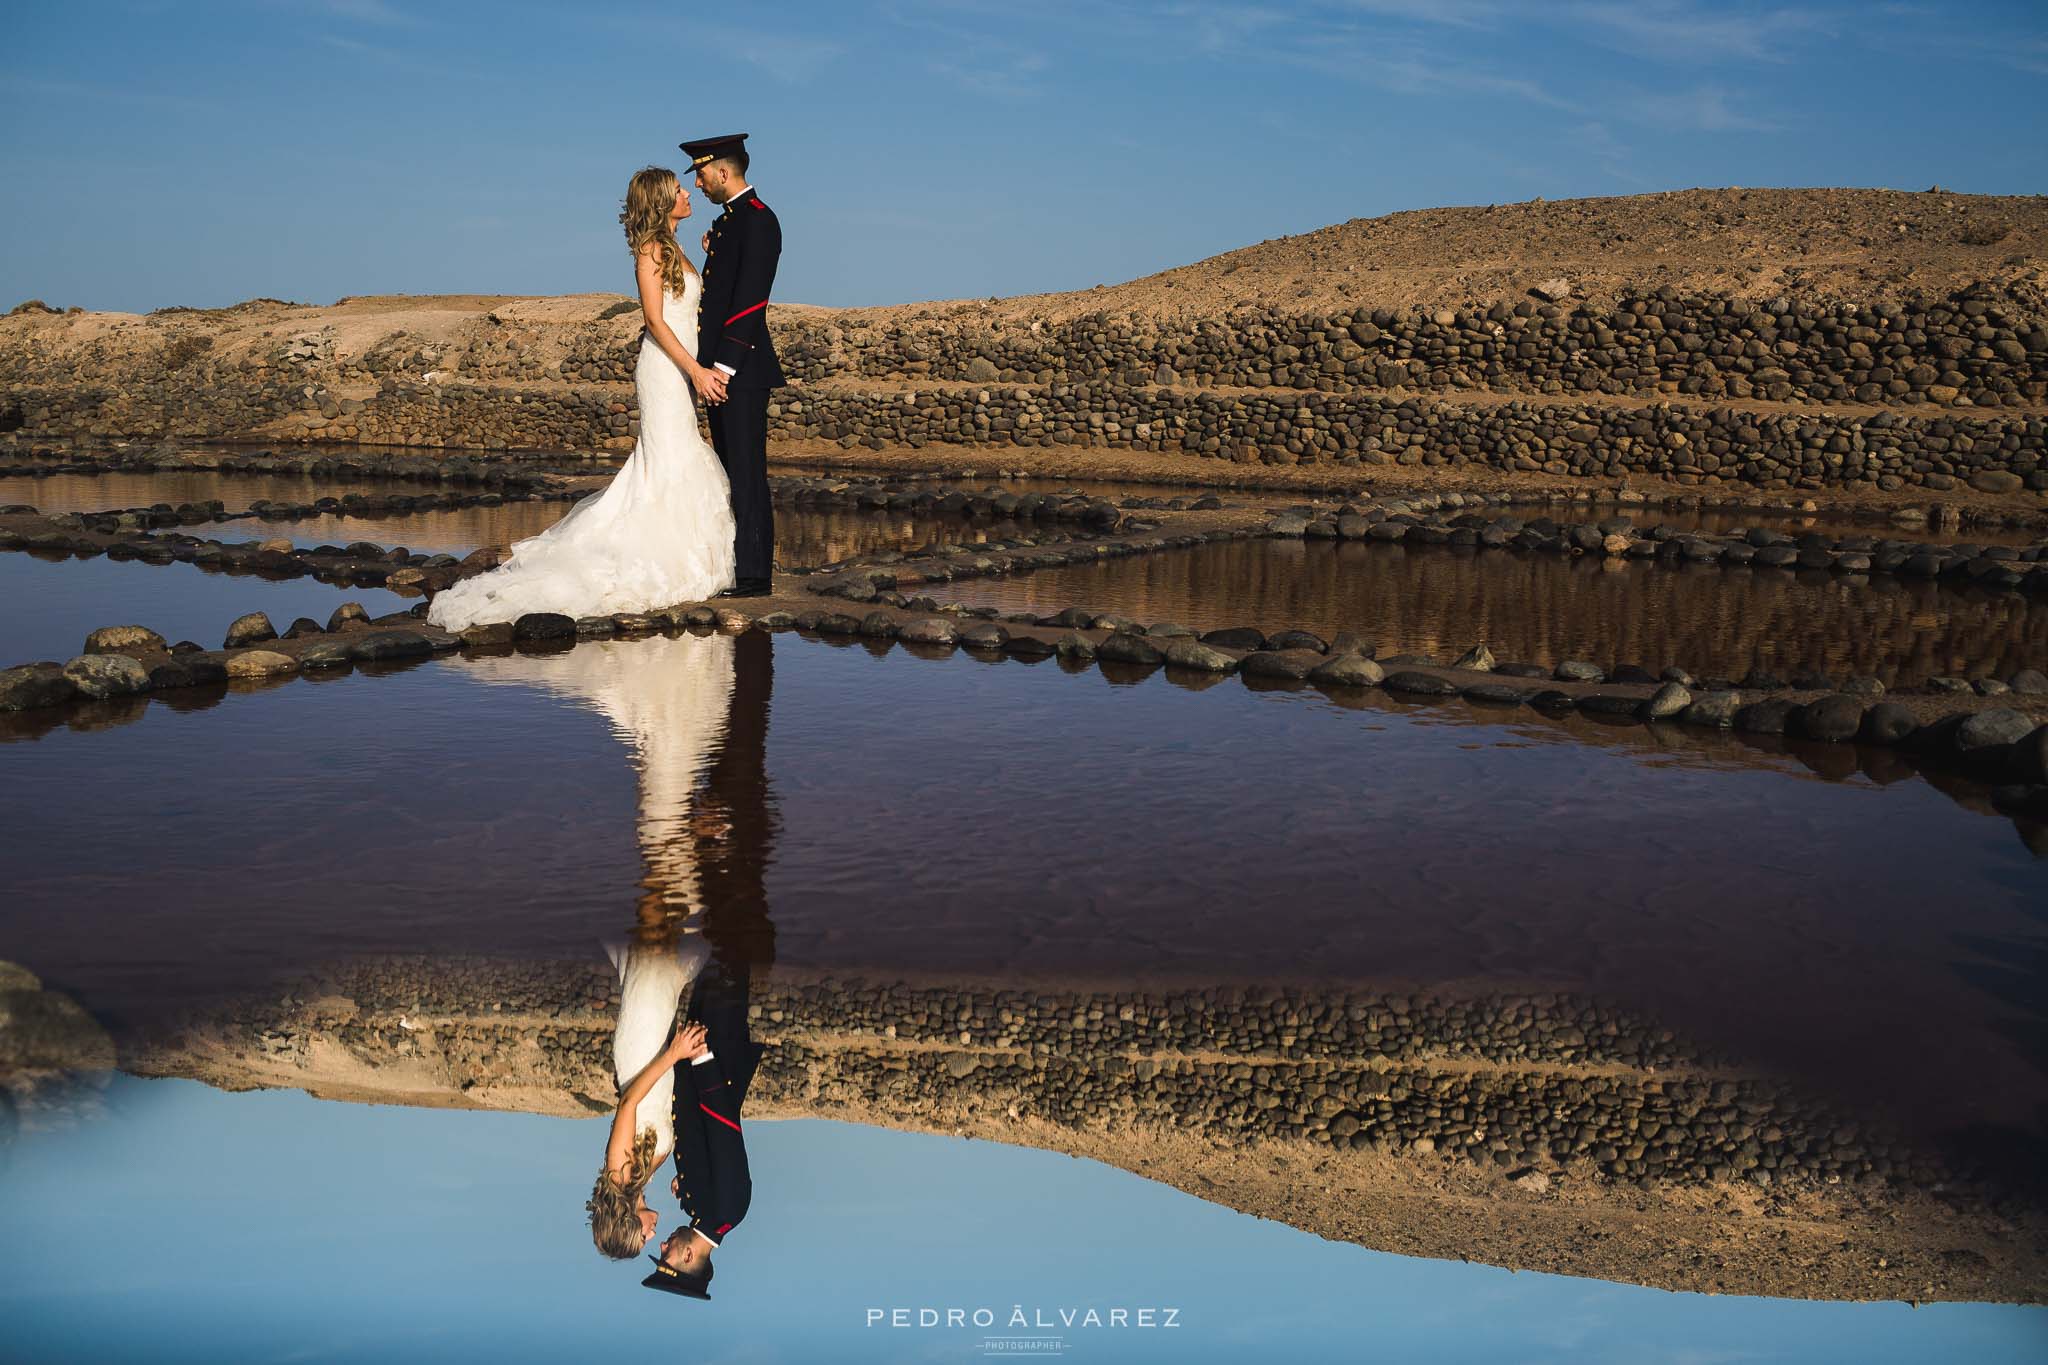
(732, 331)
(711, 1147)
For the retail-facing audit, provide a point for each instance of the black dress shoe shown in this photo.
(749, 587)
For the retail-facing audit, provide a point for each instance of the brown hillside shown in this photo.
(1861, 245)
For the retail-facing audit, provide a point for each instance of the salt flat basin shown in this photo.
(48, 607)
(1713, 620)
(804, 536)
(899, 813)
(52, 493)
(799, 1276)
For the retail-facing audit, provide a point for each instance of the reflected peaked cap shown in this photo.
(708, 149)
(672, 1281)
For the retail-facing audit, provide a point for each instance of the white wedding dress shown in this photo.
(660, 533)
(667, 701)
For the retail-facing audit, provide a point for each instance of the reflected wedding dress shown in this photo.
(667, 700)
(661, 532)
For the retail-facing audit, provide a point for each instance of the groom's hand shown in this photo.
(714, 386)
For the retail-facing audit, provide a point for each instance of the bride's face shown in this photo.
(682, 207)
(650, 1222)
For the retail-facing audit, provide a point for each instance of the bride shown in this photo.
(661, 532)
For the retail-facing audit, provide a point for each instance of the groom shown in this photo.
(740, 253)
(712, 1178)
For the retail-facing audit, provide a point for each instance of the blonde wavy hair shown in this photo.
(614, 1206)
(648, 201)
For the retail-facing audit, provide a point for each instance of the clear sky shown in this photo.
(200, 152)
(201, 1226)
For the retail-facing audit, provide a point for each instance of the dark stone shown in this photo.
(323, 654)
(2029, 682)
(1577, 670)
(932, 630)
(487, 634)
(107, 675)
(1551, 700)
(1281, 663)
(1993, 729)
(1667, 702)
(1610, 704)
(1201, 658)
(2028, 761)
(255, 628)
(31, 686)
(1887, 723)
(403, 644)
(1832, 718)
(346, 613)
(544, 625)
(1297, 639)
(1347, 670)
(1767, 717)
(1126, 648)
(1496, 694)
(880, 625)
(1235, 637)
(1716, 710)
(1030, 647)
(1420, 684)
(303, 627)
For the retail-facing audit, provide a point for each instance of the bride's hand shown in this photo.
(690, 1041)
(711, 383)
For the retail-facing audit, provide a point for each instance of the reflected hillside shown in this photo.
(1533, 1131)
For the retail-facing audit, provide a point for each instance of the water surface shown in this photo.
(48, 607)
(274, 1200)
(1035, 826)
(1712, 620)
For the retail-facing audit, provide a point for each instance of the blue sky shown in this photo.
(205, 151)
(200, 1226)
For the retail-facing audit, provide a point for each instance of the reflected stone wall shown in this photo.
(1327, 1109)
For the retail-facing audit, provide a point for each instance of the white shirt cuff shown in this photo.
(701, 1057)
(724, 369)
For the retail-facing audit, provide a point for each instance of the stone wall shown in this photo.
(1688, 445)
(1697, 389)
(1975, 347)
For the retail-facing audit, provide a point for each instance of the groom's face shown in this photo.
(715, 179)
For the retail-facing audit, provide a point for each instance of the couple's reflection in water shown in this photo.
(694, 710)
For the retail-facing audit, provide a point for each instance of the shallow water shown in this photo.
(53, 493)
(1035, 826)
(804, 536)
(47, 607)
(1439, 601)
(351, 1190)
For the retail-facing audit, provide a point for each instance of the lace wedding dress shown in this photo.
(661, 532)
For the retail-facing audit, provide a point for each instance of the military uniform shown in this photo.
(732, 334)
(711, 1146)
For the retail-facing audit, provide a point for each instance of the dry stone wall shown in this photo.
(1976, 347)
(1695, 389)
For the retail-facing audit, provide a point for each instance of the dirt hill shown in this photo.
(1862, 245)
